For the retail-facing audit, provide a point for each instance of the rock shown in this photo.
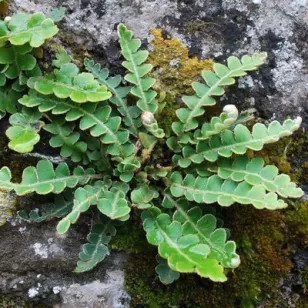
(36, 265)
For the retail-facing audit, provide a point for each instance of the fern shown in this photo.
(184, 253)
(44, 179)
(137, 70)
(67, 82)
(61, 206)
(92, 117)
(24, 132)
(24, 28)
(218, 124)
(130, 113)
(92, 120)
(95, 250)
(237, 141)
(205, 227)
(214, 83)
(83, 199)
(255, 173)
(113, 203)
(213, 189)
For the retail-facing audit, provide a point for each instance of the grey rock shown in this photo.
(37, 265)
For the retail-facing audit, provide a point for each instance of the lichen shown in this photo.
(174, 71)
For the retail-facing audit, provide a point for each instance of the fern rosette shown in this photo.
(119, 164)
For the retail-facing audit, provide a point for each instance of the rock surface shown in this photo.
(37, 265)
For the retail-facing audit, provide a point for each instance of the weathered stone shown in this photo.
(37, 265)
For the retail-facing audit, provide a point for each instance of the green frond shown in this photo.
(214, 82)
(255, 173)
(113, 202)
(165, 274)
(44, 179)
(205, 227)
(61, 206)
(68, 82)
(151, 125)
(24, 130)
(217, 124)
(66, 139)
(184, 252)
(237, 141)
(224, 192)
(15, 60)
(93, 117)
(8, 101)
(142, 196)
(84, 197)
(96, 249)
(130, 113)
(137, 69)
(24, 28)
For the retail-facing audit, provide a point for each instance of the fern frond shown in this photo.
(255, 173)
(225, 193)
(151, 125)
(96, 249)
(66, 139)
(8, 101)
(24, 130)
(238, 141)
(24, 28)
(113, 202)
(137, 69)
(205, 227)
(68, 82)
(44, 179)
(60, 207)
(217, 124)
(214, 83)
(165, 273)
(184, 253)
(130, 113)
(84, 197)
(92, 117)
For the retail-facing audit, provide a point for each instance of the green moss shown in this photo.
(12, 302)
(131, 237)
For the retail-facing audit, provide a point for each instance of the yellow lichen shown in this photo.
(174, 70)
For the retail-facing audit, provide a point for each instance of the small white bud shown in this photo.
(235, 262)
(231, 110)
(147, 117)
(7, 19)
(298, 121)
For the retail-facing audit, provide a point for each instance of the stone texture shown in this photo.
(37, 265)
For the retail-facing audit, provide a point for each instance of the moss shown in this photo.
(174, 72)
(4, 8)
(11, 302)
(130, 236)
(297, 219)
